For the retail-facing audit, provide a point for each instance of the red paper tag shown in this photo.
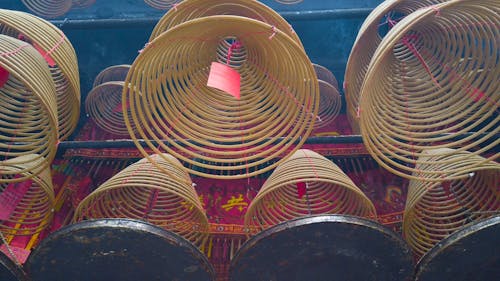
(4, 76)
(224, 78)
(45, 55)
(11, 196)
(21, 254)
(301, 189)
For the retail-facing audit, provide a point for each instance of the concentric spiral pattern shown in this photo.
(435, 210)
(142, 191)
(56, 48)
(433, 83)
(112, 73)
(161, 4)
(48, 8)
(328, 190)
(34, 210)
(326, 75)
(28, 109)
(212, 132)
(192, 9)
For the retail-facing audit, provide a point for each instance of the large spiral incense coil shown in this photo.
(58, 51)
(192, 9)
(161, 4)
(31, 201)
(433, 83)
(329, 106)
(104, 106)
(48, 8)
(326, 190)
(112, 73)
(435, 210)
(385, 15)
(142, 191)
(212, 132)
(326, 75)
(28, 109)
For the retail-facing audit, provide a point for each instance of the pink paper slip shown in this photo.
(20, 253)
(11, 196)
(224, 78)
(4, 76)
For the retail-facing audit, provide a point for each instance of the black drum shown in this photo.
(9, 271)
(470, 254)
(324, 248)
(117, 249)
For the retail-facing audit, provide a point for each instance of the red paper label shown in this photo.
(21, 254)
(11, 196)
(4, 76)
(301, 189)
(45, 55)
(224, 78)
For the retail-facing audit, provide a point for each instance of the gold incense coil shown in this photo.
(433, 83)
(329, 106)
(328, 191)
(104, 106)
(48, 8)
(112, 73)
(161, 4)
(367, 41)
(65, 74)
(435, 210)
(28, 109)
(142, 191)
(212, 132)
(34, 212)
(326, 75)
(192, 9)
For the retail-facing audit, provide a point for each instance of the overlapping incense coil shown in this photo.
(161, 4)
(326, 75)
(367, 41)
(112, 73)
(433, 83)
(435, 210)
(212, 132)
(28, 109)
(34, 209)
(192, 9)
(55, 47)
(143, 191)
(329, 106)
(328, 190)
(48, 8)
(104, 106)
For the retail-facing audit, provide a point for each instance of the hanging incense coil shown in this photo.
(326, 190)
(112, 73)
(28, 109)
(104, 106)
(161, 4)
(48, 8)
(329, 106)
(192, 9)
(430, 85)
(142, 191)
(326, 75)
(212, 132)
(367, 41)
(435, 210)
(31, 201)
(58, 51)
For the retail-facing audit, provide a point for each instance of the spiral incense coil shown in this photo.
(327, 190)
(192, 9)
(435, 210)
(112, 73)
(289, 2)
(329, 106)
(28, 109)
(142, 191)
(80, 4)
(431, 85)
(33, 211)
(48, 8)
(161, 4)
(367, 41)
(104, 105)
(326, 75)
(212, 132)
(58, 50)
